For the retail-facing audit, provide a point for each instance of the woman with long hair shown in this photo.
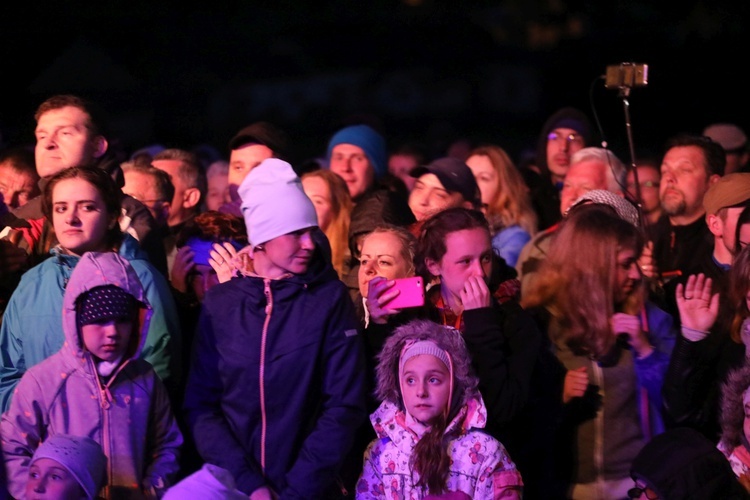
(614, 344)
(333, 205)
(506, 201)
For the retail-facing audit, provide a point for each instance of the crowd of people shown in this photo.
(177, 325)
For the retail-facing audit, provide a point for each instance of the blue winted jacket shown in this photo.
(32, 331)
(276, 391)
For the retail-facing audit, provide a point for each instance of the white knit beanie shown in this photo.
(274, 203)
(423, 347)
(82, 456)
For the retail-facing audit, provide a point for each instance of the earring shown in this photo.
(259, 248)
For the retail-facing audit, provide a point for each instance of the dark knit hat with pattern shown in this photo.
(104, 303)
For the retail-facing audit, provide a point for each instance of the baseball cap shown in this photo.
(454, 175)
(730, 190)
(730, 136)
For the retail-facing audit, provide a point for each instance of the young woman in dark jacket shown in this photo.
(276, 387)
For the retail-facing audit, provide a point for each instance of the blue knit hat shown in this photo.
(371, 142)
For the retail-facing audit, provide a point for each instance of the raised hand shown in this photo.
(224, 260)
(698, 307)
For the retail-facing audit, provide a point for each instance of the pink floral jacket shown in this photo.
(480, 465)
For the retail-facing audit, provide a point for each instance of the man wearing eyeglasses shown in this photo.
(565, 133)
(150, 186)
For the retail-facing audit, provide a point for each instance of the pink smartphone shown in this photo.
(412, 293)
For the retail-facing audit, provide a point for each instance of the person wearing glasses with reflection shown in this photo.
(565, 132)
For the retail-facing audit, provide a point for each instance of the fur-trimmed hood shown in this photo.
(732, 407)
(448, 339)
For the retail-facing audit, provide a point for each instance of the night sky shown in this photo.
(425, 71)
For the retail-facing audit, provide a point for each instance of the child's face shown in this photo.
(426, 387)
(107, 340)
(50, 480)
(468, 253)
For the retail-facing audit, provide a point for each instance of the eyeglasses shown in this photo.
(640, 490)
(569, 138)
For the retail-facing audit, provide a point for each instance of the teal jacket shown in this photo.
(32, 325)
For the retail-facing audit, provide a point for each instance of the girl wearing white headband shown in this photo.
(430, 441)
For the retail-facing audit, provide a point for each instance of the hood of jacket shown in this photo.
(97, 269)
(450, 340)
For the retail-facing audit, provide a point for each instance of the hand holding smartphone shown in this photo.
(411, 293)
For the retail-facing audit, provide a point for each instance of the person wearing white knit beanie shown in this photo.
(279, 218)
(276, 390)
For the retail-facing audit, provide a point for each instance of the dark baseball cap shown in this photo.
(455, 176)
(262, 133)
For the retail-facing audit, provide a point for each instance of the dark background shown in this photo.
(429, 71)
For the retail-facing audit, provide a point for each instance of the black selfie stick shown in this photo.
(624, 77)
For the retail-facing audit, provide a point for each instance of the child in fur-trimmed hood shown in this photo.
(429, 423)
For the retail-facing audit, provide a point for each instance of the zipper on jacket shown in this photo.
(261, 378)
(105, 402)
(105, 398)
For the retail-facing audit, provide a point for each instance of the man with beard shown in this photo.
(682, 241)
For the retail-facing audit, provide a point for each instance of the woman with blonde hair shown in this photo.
(333, 204)
(506, 201)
